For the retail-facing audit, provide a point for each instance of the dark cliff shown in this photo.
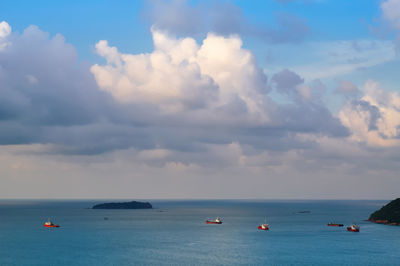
(388, 214)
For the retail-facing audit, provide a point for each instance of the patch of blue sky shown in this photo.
(83, 23)
(328, 19)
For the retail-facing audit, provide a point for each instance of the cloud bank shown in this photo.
(192, 116)
(175, 94)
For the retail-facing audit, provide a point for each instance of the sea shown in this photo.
(175, 233)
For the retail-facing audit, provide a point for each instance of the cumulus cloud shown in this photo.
(5, 31)
(216, 83)
(185, 110)
(181, 75)
(166, 100)
(44, 89)
(375, 118)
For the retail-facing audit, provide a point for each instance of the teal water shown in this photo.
(175, 233)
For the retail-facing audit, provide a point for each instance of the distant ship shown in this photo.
(217, 221)
(264, 226)
(353, 228)
(50, 224)
(333, 224)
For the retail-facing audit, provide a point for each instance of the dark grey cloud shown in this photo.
(374, 113)
(311, 117)
(304, 115)
(286, 81)
(43, 87)
(43, 84)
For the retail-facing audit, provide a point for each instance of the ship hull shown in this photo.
(212, 222)
(352, 229)
(261, 228)
(336, 225)
(54, 225)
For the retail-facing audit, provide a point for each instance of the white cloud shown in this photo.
(375, 118)
(182, 75)
(5, 31)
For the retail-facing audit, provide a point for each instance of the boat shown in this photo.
(50, 224)
(334, 224)
(264, 226)
(353, 228)
(216, 221)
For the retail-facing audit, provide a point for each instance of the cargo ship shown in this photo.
(217, 221)
(50, 224)
(353, 228)
(334, 224)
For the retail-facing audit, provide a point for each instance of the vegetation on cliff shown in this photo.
(388, 214)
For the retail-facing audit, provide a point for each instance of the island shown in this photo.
(124, 205)
(388, 214)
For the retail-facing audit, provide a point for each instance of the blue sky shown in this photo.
(199, 99)
(125, 25)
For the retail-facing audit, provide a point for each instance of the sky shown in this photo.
(277, 99)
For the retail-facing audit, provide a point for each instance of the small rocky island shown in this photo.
(388, 214)
(124, 205)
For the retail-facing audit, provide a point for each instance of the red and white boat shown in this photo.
(217, 221)
(353, 228)
(264, 227)
(50, 224)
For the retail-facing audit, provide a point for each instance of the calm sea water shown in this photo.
(175, 233)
